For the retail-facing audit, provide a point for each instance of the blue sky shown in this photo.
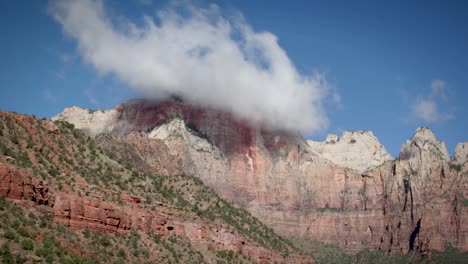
(395, 65)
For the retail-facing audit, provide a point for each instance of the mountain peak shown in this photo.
(358, 150)
(461, 152)
(424, 133)
(91, 122)
(424, 139)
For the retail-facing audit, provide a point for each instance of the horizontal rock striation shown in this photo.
(79, 212)
(347, 190)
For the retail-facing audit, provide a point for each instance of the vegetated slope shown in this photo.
(383, 204)
(59, 184)
(332, 254)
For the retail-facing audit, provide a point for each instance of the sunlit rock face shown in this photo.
(357, 150)
(346, 190)
(461, 153)
(92, 122)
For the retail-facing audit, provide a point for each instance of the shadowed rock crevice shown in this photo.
(414, 235)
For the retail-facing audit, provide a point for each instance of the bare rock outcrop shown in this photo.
(461, 153)
(91, 122)
(17, 183)
(195, 154)
(291, 185)
(88, 213)
(82, 212)
(357, 150)
(424, 142)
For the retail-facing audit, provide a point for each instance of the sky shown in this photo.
(316, 66)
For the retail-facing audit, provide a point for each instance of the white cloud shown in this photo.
(91, 98)
(427, 107)
(439, 89)
(427, 110)
(203, 57)
(48, 95)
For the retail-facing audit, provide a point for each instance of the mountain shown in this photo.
(70, 198)
(357, 150)
(346, 191)
(173, 182)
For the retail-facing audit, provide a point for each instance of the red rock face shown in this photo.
(298, 193)
(251, 151)
(80, 212)
(229, 134)
(87, 213)
(16, 183)
(11, 182)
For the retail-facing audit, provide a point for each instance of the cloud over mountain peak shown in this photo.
(201, 56)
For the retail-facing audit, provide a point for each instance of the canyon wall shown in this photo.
(320, 190)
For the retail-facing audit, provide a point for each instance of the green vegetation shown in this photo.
(320, 252)
(190, 194)
(331, 254)
(465, 202)
(330, 209)
(455, 166)
(109, 165)
(63, 156)
(54, 243)
(27, 244)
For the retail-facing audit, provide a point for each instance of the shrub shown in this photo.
(46, 252)
(27, 244)
(23, 232)
(6, 254)
(121, 254)
(455, 166)
(9, 235)
(86, 233)
(14, 140)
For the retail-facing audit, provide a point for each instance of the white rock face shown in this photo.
(200, 157)
(423, 156)
(425, 140)
(91, 122)
(461, 152)
(357, 150)
(176, 129)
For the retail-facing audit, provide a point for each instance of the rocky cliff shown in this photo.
(121, 185)
(319, 190)
(357, 150)
(92, 122)
(461, 153)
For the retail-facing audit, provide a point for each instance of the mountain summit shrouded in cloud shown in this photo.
(201, 56)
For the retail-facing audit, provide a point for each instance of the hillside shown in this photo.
(69, 199)
(173, 183)
(345, 191)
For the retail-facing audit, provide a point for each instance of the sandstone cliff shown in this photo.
(321, 190)
(115, 185)
(357, 150)
(92, 122)
(461, 153)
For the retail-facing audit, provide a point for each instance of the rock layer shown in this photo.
(291, 186)
(92, 122)
(357, 150)
(88, 213)
(80, 212)
(16, 183)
